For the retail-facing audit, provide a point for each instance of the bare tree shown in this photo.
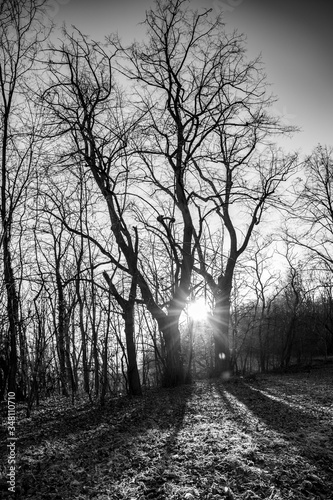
(21, 34)
(314, 206)
(204, 144)
(90, 109)
(266, 288)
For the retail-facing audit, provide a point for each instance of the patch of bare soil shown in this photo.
(264, 438)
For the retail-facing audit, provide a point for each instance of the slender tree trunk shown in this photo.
(61, 334)
(191, 362)
(288, 345)
(12, 311)
(105, 357)
(4, 370)
(262, 343)
(128, 308)
(85, 367)
(94, 327)
(69, 364)
(82, 299)
(132, 370)
(10, 284)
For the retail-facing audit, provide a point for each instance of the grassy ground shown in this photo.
(267, 438)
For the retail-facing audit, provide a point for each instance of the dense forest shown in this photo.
(152, 230)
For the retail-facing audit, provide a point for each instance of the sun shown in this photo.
(198, 310)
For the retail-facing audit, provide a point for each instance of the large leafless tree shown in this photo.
(206, 145)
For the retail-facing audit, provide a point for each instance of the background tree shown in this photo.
(21, 35)
(314, 205)
(266, 287)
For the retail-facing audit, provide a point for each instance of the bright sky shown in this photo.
(295, 39)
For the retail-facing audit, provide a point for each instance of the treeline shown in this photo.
(135, 180)
(294, 327)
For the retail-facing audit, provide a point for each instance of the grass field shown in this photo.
(267, 437)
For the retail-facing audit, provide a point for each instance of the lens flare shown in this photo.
(198, 310)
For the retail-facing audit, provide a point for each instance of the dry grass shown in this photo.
(269, 438)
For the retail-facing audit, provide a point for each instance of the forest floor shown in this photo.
(266, 438)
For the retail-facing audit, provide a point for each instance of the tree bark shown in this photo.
(128, 308)
(10, 284)
(61, 332)
(12, 311)
(221, 320)
(289, 342)
(132, 369)
(174, 370)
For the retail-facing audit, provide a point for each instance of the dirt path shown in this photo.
(269, 438)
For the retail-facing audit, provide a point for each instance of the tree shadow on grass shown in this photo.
(302, 429)
(97, 452)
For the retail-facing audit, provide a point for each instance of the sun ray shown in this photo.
(198, 309)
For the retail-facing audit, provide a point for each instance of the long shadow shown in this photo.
(113, 441)
(61, 419)
(290, 423)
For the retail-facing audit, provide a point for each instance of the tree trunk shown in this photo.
(288, 345)
(190, 372)
(10, 284)
(105, 358)
(128, 308)
(4, 370)
(132, 369)
(174, 370)
(85, 367)
(81, 302)
(12, 311)
(221, 320)
(94, 329)
(69, 364)
(262, 344)
(61, 334)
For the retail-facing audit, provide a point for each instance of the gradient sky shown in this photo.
(294, 37)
